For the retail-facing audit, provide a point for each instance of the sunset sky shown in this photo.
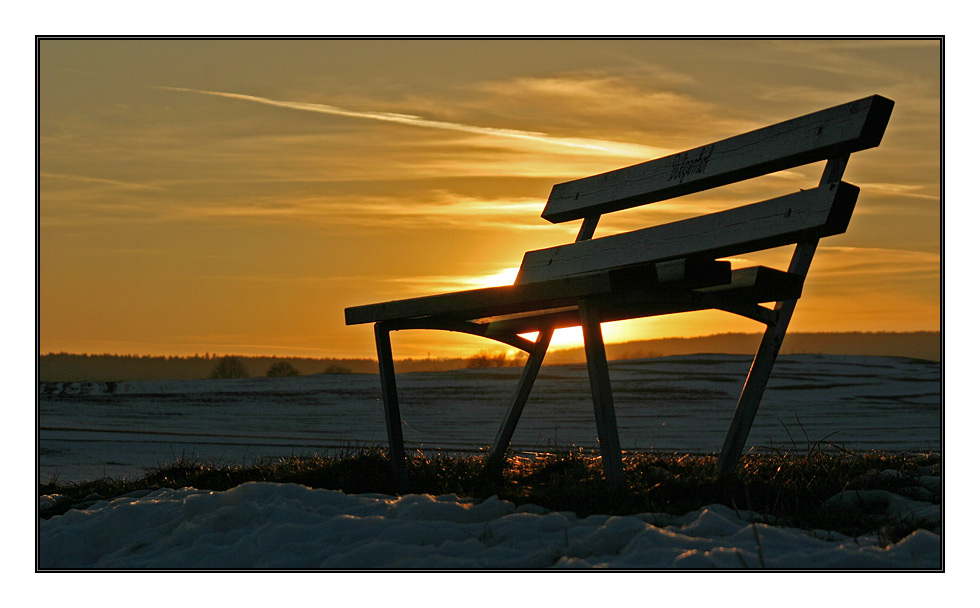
(234, 196)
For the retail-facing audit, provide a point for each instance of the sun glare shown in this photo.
(507, 276)
(567, 337)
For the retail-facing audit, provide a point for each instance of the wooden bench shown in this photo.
(670, 268)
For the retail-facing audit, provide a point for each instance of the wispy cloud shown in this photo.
(378, 213)
(592, 146)
(903, 190)
(100, 181)
(875, 261)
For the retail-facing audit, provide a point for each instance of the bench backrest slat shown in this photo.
(814, 213)
(819, 136)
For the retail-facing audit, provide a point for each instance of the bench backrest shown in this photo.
(830, 134)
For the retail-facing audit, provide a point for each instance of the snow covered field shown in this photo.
(681, 404)
(677, 403)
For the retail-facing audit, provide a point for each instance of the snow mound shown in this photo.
(270, 526)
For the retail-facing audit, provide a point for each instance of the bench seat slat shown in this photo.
(818, 136)
(509, 299)
(813, 213)
(503, 299)
(754, 285)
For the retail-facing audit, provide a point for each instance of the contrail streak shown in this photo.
(605, 147)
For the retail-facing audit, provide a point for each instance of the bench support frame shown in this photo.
(772, 340)
(389, 398)
(776, 320)
(676, 267)
(602, 397)
(535, 357)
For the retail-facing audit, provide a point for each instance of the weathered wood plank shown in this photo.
(829, 133)
(757, 284)
(762, 364)
(495, 301)
(748, 286)
(483, 302)
(389, 399)
(466, 327)
(506, 433)
(587, 229)
(765, 359)
(602, 397)
(813, 213)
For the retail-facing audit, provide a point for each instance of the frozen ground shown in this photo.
(268, 526)
(678, 403)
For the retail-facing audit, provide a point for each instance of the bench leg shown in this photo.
(751, 396)
(765, 359)
(602, 398)
(389, 397)
(531, 367)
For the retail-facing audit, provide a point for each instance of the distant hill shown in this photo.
(917, 345)
(67, 367)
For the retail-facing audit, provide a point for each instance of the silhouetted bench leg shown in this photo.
(755, 383)
(765, 359)
(389, 397)
(531, 367)
(752, 390)
(602, 399)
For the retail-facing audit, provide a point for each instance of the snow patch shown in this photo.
(270, 525)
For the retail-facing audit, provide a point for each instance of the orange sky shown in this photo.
(235, 196)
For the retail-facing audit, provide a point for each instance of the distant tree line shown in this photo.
(486, 359)
(69, 367)
(234, 367)
(229, 367)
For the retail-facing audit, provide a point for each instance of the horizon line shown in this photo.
(212, 355)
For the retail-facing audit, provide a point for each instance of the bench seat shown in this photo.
(744, 290)
(625, 293)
